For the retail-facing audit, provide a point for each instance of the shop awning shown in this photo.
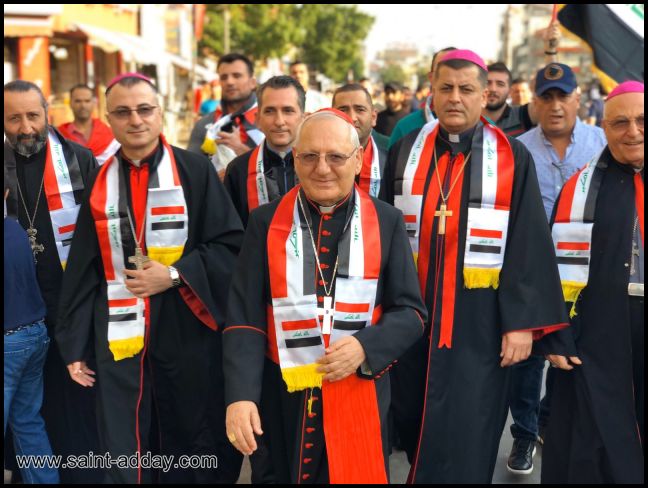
(28, 26)
(132, 48)
(136, 49)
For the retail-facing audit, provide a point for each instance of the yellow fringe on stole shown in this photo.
(126, 348)
(208, 146)
(571, 291)
(301, 377)
(165, 255)
(481, 277)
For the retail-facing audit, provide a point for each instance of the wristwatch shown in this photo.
(175, 277)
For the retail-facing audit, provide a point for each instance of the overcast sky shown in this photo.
(432, 27)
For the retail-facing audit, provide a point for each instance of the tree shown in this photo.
(256, 30)
(393, 73)
(327, 37)
(332, 38)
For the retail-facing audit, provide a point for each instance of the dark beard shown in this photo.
(495, 106)
(237, 100)
(28, 145)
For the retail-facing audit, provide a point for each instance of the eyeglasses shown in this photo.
(623, 124)
(144, 112)
(332, 159)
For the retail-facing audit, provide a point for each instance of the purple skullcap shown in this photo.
(626, 87)
(466, 55)
(118, 78)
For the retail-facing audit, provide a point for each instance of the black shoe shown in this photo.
(520, 460)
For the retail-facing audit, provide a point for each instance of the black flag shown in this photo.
(616, 35)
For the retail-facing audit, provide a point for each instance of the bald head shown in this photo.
(320, 117)
(623, 123)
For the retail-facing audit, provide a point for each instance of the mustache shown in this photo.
(28, 144)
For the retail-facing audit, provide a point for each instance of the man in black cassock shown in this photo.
(267, 172)
(354, 100)
(472, 206)
(307, 372)
(31, 145)
(596, 428)
(152, 321)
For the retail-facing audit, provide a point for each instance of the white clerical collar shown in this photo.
(281, 154)
(457, 141)
(329, 209)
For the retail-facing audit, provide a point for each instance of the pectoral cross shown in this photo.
(443, 212)
(139, 259)
(635, 252)
(36, 248)
(327, 315)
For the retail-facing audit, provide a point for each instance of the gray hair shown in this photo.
(353, 133)
(23, 86)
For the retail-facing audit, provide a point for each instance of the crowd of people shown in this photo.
(315, 282)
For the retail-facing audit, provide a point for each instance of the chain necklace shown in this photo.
(31, 231)
(635, 248)
(443, 211)
(319, 266)
(139, 258)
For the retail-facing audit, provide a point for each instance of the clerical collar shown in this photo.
(281, 154)
(607, 157)
(324, 210)
(457, 142)
(152, 159)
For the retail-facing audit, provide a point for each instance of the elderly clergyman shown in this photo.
(595, 432)
(324, 300)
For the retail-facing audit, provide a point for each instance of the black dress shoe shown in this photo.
(520, 460)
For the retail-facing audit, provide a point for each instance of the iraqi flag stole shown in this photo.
(492, 170)
(351, 420)
(166, 235)
(292, 268)
(491, 186)
(572, 230)
(61, 179)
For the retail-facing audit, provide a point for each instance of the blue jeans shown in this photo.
(545, 403)
(524, 397)
(24, 357)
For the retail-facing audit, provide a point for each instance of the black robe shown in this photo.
(462, 391)
(279, 176)
(596, 427)
(291, 436)
(181, 389)
(68, 408)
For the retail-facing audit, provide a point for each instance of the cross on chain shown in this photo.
(327, 315)
(139, 259)
(443, 212)
(35, 247)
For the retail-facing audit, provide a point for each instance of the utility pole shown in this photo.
(226, 29)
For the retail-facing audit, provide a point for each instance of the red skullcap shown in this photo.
(335, 112)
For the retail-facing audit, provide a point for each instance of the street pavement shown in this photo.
(399, 467)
